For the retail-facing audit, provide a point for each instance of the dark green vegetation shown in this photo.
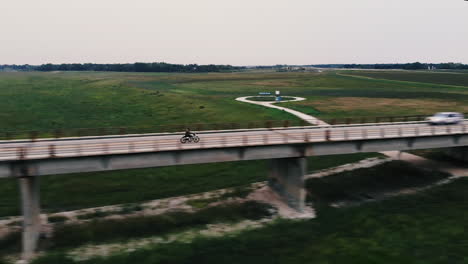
(57, 219)
(325, 162)
(238, 192)
(10, 243)
(439, 155)
(99, 231)
(72, 235)
(365, 184)
(124, 209)
(429, 227)
(71, 192)
(68, 192)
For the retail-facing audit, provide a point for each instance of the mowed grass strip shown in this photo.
(429, 227)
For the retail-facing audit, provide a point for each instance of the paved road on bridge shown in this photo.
(89, 146)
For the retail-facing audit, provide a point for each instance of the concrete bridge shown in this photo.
(287, 148)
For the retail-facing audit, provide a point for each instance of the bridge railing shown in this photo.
(76, 148)
(82, 132)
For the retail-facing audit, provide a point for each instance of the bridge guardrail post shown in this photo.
(327, 135)
(21, 153)
(52, 152)
(382, 132)
(345, 134)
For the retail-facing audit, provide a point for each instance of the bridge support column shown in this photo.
(459, 153)
(29, 187)
(286, 177)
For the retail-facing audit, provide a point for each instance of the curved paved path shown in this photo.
(308, 118)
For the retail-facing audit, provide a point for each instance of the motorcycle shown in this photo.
(186, 139)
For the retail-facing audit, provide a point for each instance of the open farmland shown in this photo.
(46, 101)
(447, 78)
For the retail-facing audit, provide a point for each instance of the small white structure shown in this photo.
(278, 96)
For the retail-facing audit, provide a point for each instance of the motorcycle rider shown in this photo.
(188, 134)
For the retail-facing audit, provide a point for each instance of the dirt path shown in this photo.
(308, 118)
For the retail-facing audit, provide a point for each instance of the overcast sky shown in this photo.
(237, 32)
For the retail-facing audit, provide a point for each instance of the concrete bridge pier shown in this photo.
(459, 153)
(29, 187)
(286, 177)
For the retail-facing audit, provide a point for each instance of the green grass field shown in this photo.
(48, 101)
(71, 192)
(429, 227)
(445, 78)
(58, 100)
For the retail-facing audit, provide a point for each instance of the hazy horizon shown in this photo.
(247, 33)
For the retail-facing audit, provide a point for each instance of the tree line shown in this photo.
(126, 67)
(399, 66)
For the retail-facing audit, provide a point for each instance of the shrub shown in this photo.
(57, 218)
(140, 226)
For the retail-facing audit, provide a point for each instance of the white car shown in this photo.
(445, 118)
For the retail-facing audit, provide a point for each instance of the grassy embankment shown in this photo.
(428, 227)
